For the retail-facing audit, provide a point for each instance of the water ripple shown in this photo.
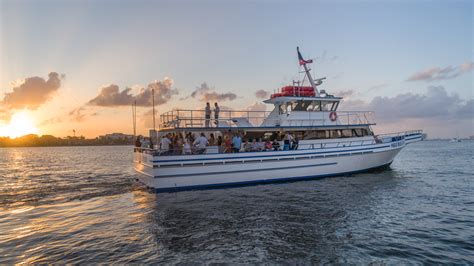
(80, 205)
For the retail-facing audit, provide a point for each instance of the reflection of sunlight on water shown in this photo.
(21, 210)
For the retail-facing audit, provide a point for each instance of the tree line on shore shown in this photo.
(33, 140)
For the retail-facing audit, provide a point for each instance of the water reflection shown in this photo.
(259, 223)
(90, 212)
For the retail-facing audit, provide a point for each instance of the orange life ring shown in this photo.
(333, 116)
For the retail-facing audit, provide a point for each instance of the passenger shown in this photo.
(216, 114)
(288, 141)
(207, 114)
(138, 144)
(187, 147)
(236, 143)
(201, 143)
(145, 143)
(165, 145)
(220, 144)
(247, 146)
(268, 145)
(151, 144)
(227, 144)
(276, 145)
(260, 145)
(179, 145)
(212, 140)
(295, 143)
(254, 145)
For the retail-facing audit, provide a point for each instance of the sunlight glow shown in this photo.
(20, 124)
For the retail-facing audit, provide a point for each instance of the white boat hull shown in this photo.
(169, 173)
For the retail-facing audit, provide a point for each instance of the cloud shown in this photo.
(261, 94)
(438, 73)
(435, 104)
(33, 92)
(257, 107)
(77, 114)
(205, 94)
(344, 93)
(377, 86)
(51, 121)
(111, 96)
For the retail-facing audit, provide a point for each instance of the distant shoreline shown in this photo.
(33, 140)
(46, 146)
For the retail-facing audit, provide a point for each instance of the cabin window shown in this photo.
(317, 106)
(346, 133)
(360, 132)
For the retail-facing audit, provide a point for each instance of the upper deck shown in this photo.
(195, 119)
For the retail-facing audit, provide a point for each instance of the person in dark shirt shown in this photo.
(138, 143)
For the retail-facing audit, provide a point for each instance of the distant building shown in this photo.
(116, 136)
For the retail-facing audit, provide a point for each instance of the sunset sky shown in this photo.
(68, 65)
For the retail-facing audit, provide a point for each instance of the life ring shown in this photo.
(333, 116)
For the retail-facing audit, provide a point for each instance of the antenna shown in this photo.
(303, 63)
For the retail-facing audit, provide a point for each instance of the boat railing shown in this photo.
(247, 119)
(281, 147)
(197, 119)
(389, 137)
(343, 118)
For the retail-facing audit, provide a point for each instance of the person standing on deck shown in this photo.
(207, 114)
(165, 145)
(236, 143)
(216, 113)
(201, 143)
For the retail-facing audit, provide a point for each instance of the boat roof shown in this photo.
(285, 99)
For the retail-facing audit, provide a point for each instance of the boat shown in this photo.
(310, 139)
(454, 140)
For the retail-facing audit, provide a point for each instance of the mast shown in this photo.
(307, 70)
(153, 98)
(134, 114)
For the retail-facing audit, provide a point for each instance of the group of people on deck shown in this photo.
(188, 143)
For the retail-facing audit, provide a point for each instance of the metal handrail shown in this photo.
(390, 137)
(227, 118)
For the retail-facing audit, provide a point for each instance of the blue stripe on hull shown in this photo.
(250, 170)
(257, 182)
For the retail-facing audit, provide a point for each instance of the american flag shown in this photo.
(300, 58)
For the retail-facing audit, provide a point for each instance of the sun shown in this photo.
(20, 124)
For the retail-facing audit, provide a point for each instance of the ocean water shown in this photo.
(81, 205)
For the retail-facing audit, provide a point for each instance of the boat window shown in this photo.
(301, 105)
(360, 132)
(282, 109)
(346, 133)
(324, 106)
(315, 134)
(317, 106)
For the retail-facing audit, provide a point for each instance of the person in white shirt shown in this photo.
(165, 145)
(201, 143)
(187, 146)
